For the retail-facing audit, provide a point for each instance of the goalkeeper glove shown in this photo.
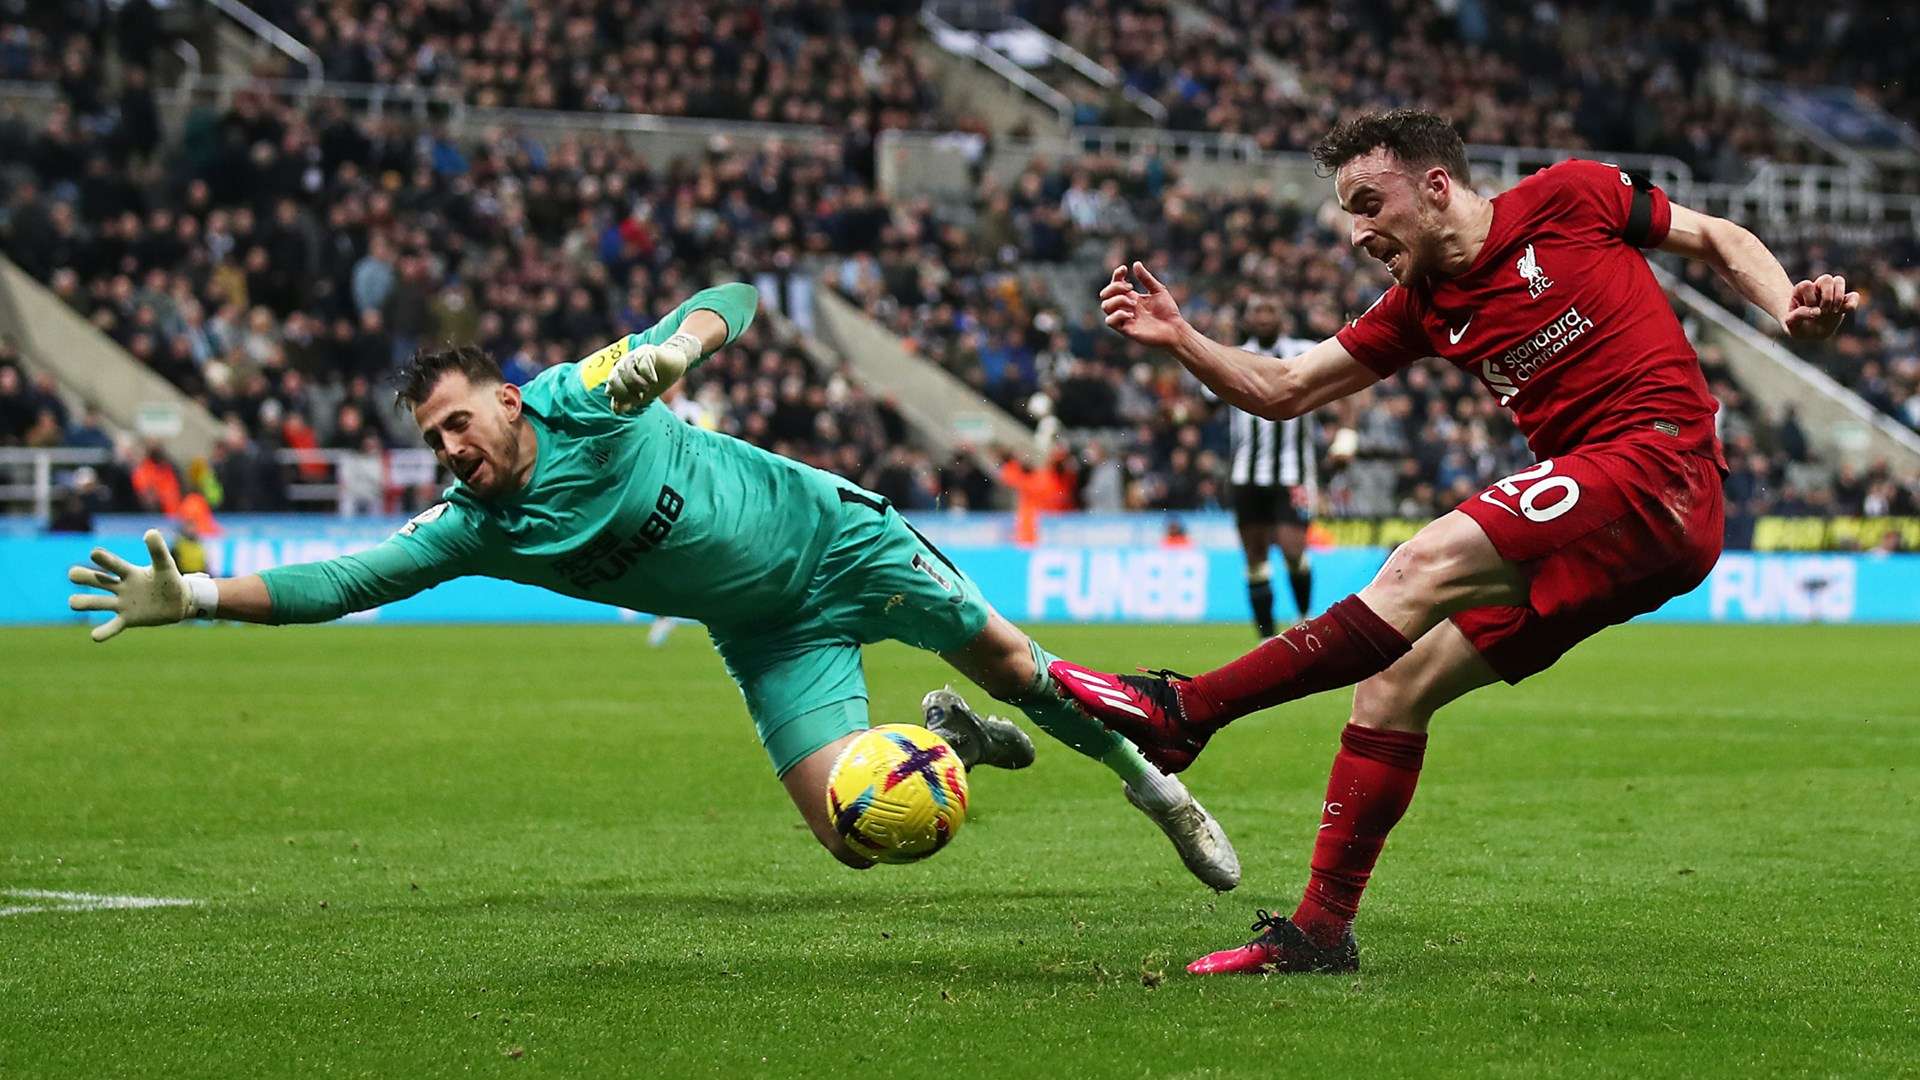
(154, 595)
(645, 373)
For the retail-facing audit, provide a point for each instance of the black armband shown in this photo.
(1640, 215)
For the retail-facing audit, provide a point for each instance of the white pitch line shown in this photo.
(80, 901)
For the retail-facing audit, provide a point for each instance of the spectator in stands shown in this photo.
(373, 276)
(1044, 489)
(18, 409)
(156, 483)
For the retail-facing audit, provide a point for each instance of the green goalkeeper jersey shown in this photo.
(641, 511)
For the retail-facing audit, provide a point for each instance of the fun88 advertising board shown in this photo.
(1085, 569)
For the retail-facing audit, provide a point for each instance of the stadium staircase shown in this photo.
(947, 412)
(1034, 63)
(93, 369)
(1841, 427)
(1031, 119)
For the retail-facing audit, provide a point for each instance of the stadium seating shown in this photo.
(1618, 78)
(780, 63)
(280, 261)
(1877, 355)
(282, 301)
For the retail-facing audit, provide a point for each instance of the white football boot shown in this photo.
(979, 740)
(1201, 842)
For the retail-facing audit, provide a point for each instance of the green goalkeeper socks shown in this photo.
(1061, 719)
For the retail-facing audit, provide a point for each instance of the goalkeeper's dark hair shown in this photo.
(418, 376)
(1420, 139)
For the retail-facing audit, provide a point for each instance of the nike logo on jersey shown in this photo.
(1454, 336)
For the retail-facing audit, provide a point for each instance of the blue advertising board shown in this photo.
(1051, 582)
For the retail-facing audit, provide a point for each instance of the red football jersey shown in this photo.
(1559, 316)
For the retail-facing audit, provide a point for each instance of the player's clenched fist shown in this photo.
(1818, 306)
(1150, 318)
(646, 372)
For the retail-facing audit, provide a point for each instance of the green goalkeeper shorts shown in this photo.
(879, 581)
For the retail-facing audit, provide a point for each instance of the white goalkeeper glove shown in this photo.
(154, 595)
(645, 373)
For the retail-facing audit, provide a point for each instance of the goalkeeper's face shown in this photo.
(475, 431)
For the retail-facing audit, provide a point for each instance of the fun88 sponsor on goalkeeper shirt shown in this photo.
(640, 511)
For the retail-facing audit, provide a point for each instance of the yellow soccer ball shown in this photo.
(897, 794)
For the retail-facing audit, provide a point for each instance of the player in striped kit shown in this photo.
(1274, 478)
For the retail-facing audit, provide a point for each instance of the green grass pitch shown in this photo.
(517, 851)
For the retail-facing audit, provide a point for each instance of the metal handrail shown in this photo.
(190, 61)
(1752, 93)
(1814, 378)
(37, 489)
(1514, 163)
(986, 56)
(1093, 71)
(273, 35)
(40, 463)
(376, 97)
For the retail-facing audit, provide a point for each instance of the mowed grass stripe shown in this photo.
(421, 850)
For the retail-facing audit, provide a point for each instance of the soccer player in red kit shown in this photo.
(1543, 293)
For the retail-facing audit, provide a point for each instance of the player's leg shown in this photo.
(806, 784)
(807, 695)
(1448, 566)
(1256, 538)
(1291, 538)
(1624, 560)
(1369, 789)
(1012, 667)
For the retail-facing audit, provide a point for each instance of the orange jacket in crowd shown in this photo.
(156, 484)
(1045, 490)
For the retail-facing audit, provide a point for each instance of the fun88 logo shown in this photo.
(1145, 585)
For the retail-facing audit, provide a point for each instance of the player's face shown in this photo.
(1394, 219)
(471, 430)
(1263, 319)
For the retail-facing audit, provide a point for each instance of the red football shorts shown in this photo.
(1604, 533)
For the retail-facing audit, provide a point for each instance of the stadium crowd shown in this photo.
(789, 62)
(972, 290)
(1647, 77)
(278, 263)
(1876, 354)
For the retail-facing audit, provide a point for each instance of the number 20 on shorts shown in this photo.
(1539, 487)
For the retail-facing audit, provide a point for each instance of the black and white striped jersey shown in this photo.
(1273, 453)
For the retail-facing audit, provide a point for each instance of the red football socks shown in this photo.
(1373, 779)
(1339, 648)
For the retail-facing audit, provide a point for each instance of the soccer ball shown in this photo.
(897, 794)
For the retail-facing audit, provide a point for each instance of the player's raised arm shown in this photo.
(706, 321)
(1808, 310)
(1266, 386)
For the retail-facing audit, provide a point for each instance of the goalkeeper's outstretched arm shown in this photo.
(159, 595)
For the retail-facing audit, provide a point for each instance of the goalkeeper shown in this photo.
(583, 484)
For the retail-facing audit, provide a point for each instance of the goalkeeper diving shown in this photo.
(583, 483)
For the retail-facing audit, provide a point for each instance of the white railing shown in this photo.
(351, 481)
(974, 46)
(293, 48)
(347, 481)
(1104, 77)
(374, 98)
(26, 475)
(1179, 145)
(1512, 164)
(1811, 378)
